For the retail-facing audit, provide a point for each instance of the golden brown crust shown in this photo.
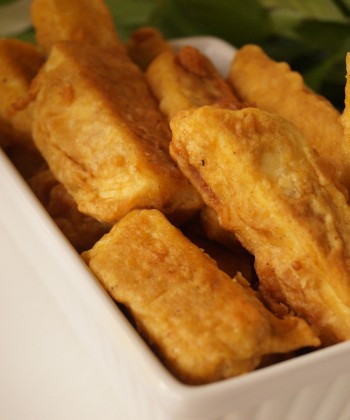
(266, 186)
(145, 44)
(203, 325)
(274, 87)
(102, 134)
(187, 79)
(19, 63)
(345, 117)
(86, 21)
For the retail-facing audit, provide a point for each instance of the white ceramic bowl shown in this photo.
(313, 386)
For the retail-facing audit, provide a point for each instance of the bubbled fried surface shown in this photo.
(86, 21)
(274, 87)
(19, 63)
(187, 79)
(264, 181)
(345, 117)
(203, 325)
(102, 134)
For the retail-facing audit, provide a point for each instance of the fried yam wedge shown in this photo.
(87, 21)
(19, 63)
(264, 182)
(273, 86)
(187, 79)
(81, 231)
(103, 136)
(203, 325)
(145, 44)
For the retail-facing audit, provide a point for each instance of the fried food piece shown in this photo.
(203, 325)
(265, 184)
(145, 44)
(81, 231)
(86, 21)
(187, 79)
(345, 118)
(103, 136)
(19, 63)
(274, 87)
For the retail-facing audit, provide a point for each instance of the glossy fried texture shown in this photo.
(187, 79)
(345, 118)
(19, 63)
(203, 325)
(87, 21)
(274, 87)
(105, 140)
(265, 184)
(80, 230)
(145, 44)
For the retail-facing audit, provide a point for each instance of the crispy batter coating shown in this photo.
(203, 325)
(86, 21)
(264, 182)
(81, 231)
(274, 87)
(345, 118)
(19, 63)
(145, 44)
(187, 79)
(105, 140)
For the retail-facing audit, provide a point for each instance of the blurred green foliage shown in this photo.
(313, 36)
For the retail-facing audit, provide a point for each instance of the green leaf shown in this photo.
(344, 5)
(131, 14)
(28, 36)
(324, 10)
(331, 69)
(324, 36)
(5, 1)
(234, 20)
